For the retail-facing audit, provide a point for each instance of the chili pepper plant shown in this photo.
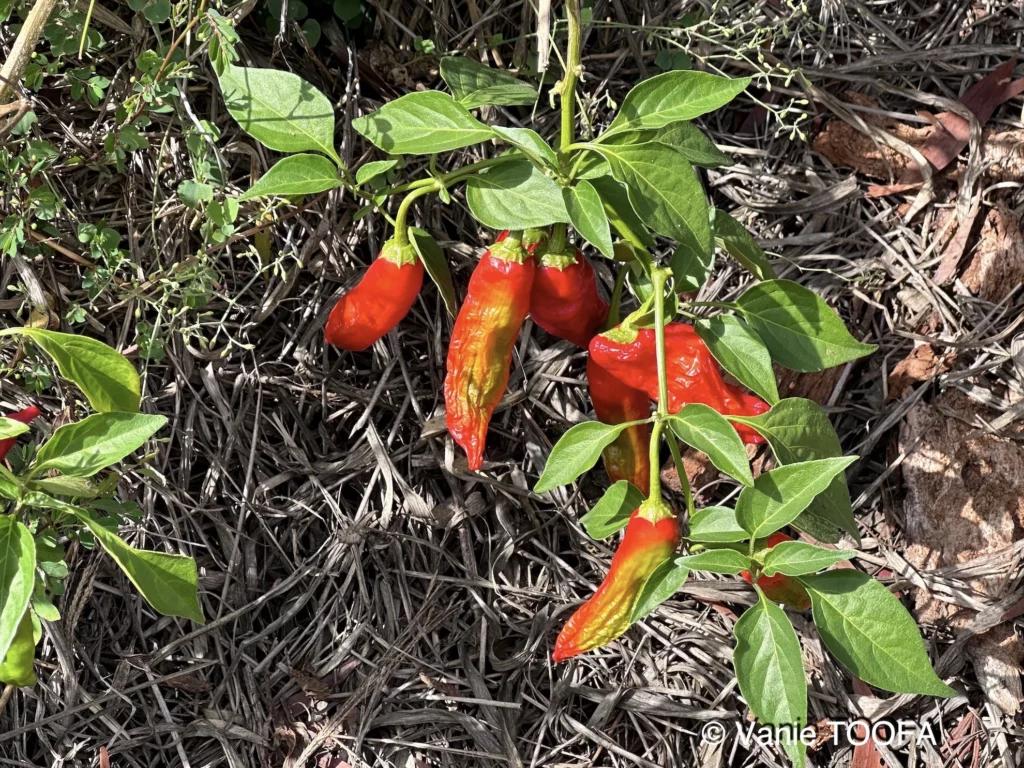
(630, 194)
(50, 497)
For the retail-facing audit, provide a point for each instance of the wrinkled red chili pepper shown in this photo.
(628, 457)
(565, 301)
(781, 588)
(647, 544)
(480, 351)
(24, 417)
(379, 301)
(693, 373)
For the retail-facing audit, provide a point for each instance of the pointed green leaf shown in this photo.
(85, 447)
(11, 428)
(620, 212)
(169, 583)
(777, 497)
(801, 331)
(279, 109)
(741, 352)
(433, 259)
(576, 452)
(613, 511)
(105, 376)
(705, 429)
(476, 85)
(727, 561)
(661, 586)
(871, 634)
(369, 171)
(17, 664)
(797, 558)
(674, 96)
(422, 123)
(515, 195)
(738, 243)
(587, 215)
(693, 144)
(530, 142)
(716, 525)
(769, 665)
(296, 175)
(17, 576)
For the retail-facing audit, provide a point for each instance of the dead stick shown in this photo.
(21, 53)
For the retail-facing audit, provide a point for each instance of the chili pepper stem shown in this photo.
(402, 217)
(658, 278)
(615, 310)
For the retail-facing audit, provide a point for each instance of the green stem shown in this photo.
(659, 277)
(401, 218)
(559, 238)
(572, 68)
(684, 481)
(452, 176)
(615, 310)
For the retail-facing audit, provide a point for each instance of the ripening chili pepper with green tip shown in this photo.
(651, 539)
(781, 588)
(565, 301)
(480, 351)
(628, 457)
(694, 376)
(379, 301)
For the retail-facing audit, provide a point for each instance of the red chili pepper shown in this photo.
(646, 545)
(24, 417)
(565, 301)
(693, 373)
(628, 458)
(483, 339)
(781, 588)
(379, 301)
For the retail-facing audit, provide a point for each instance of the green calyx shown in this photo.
(510, 249)
(402, 255)
(655, 509)
(624, 333)
(534, 237)
(557, 259)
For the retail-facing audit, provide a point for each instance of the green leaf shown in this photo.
(432, 256)
(741, 352)
(871, 634)
(727, 561)
(796, 558)
(662, 584)
(576, 452)
(279, 109)
(515, 195)
(777, 497)
(169, 583)
(586, 212)
(738, 243)
(85, 447)
(674, 96)
(716, 525)
(529, 142)
(17, 664)
(17, 576)
(691, 143)
(296, 175)
(11, 428)
(705, 429)
(75, 487)
(690, 268)
(664, 191)
(613, 511)
(372, 170)
(422, 123)
(799, 430)
(192, 193)
(620, 212)
(9, 488)
(769, 665)
(105, 376)
(476, 85)
(801, 331)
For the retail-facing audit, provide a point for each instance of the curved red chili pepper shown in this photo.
(379, 301)
(565, 301)
(628, 457)
(781, 588)
(480, 351)
(645, 547)
(693, 373)
(24, 417)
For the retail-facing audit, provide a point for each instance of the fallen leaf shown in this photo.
(957, 246)
(920, 365)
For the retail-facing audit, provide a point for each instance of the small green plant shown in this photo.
(628, 191)
(65, 490)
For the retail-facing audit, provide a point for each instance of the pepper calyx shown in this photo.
(655, 509)
(402, 255)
